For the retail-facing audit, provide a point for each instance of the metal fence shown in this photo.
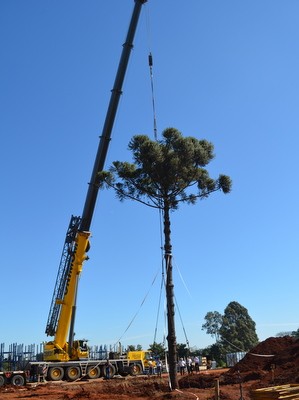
(17, 356)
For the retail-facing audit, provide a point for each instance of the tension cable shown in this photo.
(137, 312)
(150, 63)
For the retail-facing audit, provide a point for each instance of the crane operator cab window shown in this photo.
(83, 345)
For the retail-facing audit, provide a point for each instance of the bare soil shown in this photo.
(273, 362)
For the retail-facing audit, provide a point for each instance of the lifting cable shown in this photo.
(162, 279)
(183, 281)
(181, 319)
(177, 306)
(150, 63)
(137, 312)
(159, 306)
(163, 283)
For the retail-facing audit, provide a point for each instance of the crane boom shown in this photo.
(61, 319)
(108, 125)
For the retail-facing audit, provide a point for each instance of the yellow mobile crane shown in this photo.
(65, 357)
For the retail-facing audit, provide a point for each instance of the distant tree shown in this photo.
(234, 331)
(182, 350)
(282, 334)
(164, 174)
(215, 352)
(158, 349)
(194, 351)
(238, 329)
(132, 347)
(296, 333)
(213, 324)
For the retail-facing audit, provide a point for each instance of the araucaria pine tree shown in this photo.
(164, 174)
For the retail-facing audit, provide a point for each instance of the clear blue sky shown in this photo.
(225, 71)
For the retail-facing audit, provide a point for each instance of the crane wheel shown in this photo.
(136, 369)
(18, 380)
(72, 373)
(93, 372)
(112, 371)
(55, 374)
(2, 380)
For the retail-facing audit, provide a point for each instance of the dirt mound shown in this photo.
(203, 380)
(276, 360)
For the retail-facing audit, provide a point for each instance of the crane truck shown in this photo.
(65, 357)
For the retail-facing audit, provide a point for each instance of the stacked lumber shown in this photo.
(283, 392)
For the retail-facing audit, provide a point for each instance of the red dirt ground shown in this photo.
(256, 370)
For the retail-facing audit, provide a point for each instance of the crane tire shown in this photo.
(18, 380)
(112, 371)
(2, 380)
(136, 369)
(93, 372)
(72, 373)
(55, 374)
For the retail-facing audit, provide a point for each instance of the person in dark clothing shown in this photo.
(108, 367)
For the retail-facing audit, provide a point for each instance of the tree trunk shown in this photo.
(171, 337)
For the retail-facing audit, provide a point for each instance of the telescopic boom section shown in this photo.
(61, 318)
(108, 125)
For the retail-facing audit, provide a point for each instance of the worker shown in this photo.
(34, 373)
(159, 368)
(108, 367)
(150, 366)
(196, 363)
(182, 365)
(189, 365)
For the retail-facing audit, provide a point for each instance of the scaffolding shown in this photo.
(17, 356)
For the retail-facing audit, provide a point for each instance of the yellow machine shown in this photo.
(64, 299)
(61, 320)
(142, 360)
